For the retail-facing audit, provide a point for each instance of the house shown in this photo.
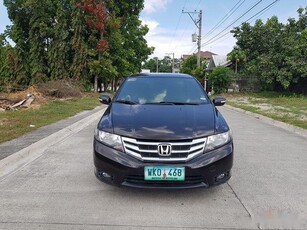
(216, 61)
(220, 61)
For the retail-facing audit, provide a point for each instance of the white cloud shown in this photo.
(152, 25)
(222, 47)
(151, 6)
(181, 43)
(165, 41)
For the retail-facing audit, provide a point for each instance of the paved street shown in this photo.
(58, 189)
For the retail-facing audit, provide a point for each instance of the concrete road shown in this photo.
(58, 190)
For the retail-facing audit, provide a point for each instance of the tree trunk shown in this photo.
(95, 83)
(115, 84)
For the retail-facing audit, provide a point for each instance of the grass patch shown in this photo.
(244, 107)
(288, 108)
(16, 123)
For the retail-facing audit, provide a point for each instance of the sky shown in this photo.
(170, 30)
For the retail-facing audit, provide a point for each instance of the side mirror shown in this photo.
(219, 101)
(104, 99)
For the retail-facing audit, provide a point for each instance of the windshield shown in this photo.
(161, 90)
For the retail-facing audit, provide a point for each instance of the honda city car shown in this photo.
(162, 131)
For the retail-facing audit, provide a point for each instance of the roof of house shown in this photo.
(204, 54)
(218, 60)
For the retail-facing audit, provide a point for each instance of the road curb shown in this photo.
(299, 131)
(35, 150)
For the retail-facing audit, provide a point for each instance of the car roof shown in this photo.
(180, 75)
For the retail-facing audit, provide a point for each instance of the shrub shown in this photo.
(220, 79)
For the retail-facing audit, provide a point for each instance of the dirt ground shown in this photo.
(8, 100)
(262, 105)
(34, 96)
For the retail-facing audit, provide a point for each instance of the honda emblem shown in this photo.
(164, 149)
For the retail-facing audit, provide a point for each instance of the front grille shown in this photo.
(138, 179)
(148, 150)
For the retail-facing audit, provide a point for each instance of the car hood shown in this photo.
(161, 122)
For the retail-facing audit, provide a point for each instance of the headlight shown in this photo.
(112, 140)
(217, 140)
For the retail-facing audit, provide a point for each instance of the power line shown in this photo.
(263, 10)
(183, 33)
(193, 48)
(184, 30)
(259, 12)
(198, 4)
(234, 21)
(198, 24)
(230, 12)
(170, 44)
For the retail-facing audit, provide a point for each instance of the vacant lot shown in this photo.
(291, 109)
(43, 112)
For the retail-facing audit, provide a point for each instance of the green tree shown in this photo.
(220, 79)
(42, 13)
(60, 49)
(151, 64)
(19, 55)
(165, 65)
(97, 19)
(189, 66)
(5, 75)
(91, 41)
(132, 47)
(275, 52)
(236, 56)
(79, 70)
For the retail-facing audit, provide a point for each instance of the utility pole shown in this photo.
(157, 68)
(198, 24)
(173, 61)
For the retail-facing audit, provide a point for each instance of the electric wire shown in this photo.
(262, 11)
(228, 32)
(174, 34)
(177, 29)
(193, 48)
(180, 38)
(232, 23)
(170, 44)
(198, 4)
(185, 28)
(230, 12)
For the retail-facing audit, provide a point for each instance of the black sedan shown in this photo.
(162, 131)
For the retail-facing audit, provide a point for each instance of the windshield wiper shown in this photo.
(126, 102)
(159, 103)
(171, 103)
(185, 103)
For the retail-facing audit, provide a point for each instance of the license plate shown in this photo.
(164, 173)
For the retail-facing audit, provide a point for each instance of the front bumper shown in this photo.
(120, 169)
